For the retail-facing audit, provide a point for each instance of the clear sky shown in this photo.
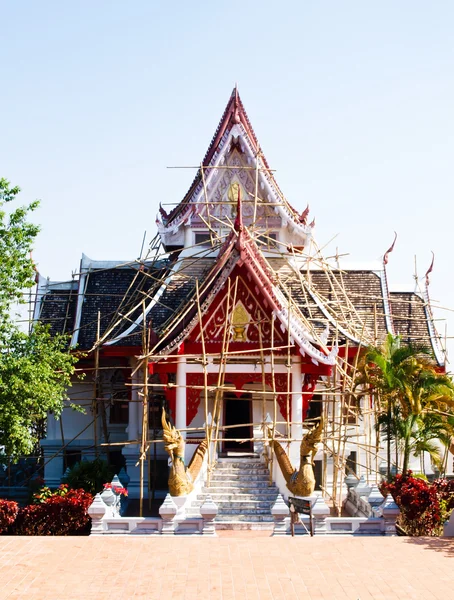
(352, 102)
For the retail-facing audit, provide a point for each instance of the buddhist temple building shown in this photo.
(234, 323)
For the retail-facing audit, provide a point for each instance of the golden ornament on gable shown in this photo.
(240, 321)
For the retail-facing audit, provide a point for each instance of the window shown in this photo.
(267, 239)
(203, 239)
(351, 409)
(119, 398)
(351, 464)
(72, 457)
(315, 407)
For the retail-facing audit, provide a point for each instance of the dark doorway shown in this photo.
(238, 412)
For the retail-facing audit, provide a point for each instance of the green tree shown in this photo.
(35, 368)
(413, 395)
(16, 242)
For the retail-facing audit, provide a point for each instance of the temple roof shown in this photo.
(321, 307)
(350, 302)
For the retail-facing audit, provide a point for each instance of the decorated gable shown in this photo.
(240, 304)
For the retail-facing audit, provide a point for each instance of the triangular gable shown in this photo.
(232, 159)
(250, 314)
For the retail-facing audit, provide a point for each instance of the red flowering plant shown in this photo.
(423, 506)
(8, 513)
(62, 512)
(119, 491)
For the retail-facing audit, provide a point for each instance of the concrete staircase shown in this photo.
(240, 487)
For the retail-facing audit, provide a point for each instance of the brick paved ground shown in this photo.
(245, 566)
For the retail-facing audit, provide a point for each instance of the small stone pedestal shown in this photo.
(389, 511)
(168, 511)
(181, 502)
(97, 511)
(281, 516)
(320, 510)
(209, 510)
(375, 498)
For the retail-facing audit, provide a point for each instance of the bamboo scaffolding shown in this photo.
(358, 326)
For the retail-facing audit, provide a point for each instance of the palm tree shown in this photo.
(409, 386)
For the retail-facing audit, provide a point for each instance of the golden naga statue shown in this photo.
(302, 482)
(181, 479)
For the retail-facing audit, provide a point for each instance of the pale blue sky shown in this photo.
(352, 102)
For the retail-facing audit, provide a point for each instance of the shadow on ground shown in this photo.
(443, 545)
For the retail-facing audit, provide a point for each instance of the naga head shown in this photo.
(312, 438)
(173, 440)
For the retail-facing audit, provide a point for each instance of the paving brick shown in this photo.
(243, 566)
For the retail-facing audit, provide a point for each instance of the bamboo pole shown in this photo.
(273, 383)
(342, 438)
(101, 400)
(325, 409)
(205, 384)
(262, 365)
(289, 367)
(226, 340)
(334, 490)
(256, 184)
(222, 364)
(95, 392)
(144, 445)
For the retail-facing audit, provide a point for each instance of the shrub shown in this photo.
(44, 493)
(63, 512)
(8, 513)
(89, 475)
(423, 506)
(445, 491)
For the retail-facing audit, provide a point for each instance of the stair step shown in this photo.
(243, 517)
(240, 466)
(241, 486)
(231, 477)
(229, 497)
(235, 505)
(244, 525)
(239, 459)
(244, 511)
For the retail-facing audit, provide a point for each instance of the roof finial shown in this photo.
(303, 217)
(236, 113)
(390, 249)
(429, 270)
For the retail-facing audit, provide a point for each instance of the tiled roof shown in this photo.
(352, 299)
(58, 307)
(409, 318)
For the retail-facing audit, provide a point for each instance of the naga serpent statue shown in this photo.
(302, 482)
(181, 478)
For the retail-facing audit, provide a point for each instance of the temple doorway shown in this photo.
(237, 415)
